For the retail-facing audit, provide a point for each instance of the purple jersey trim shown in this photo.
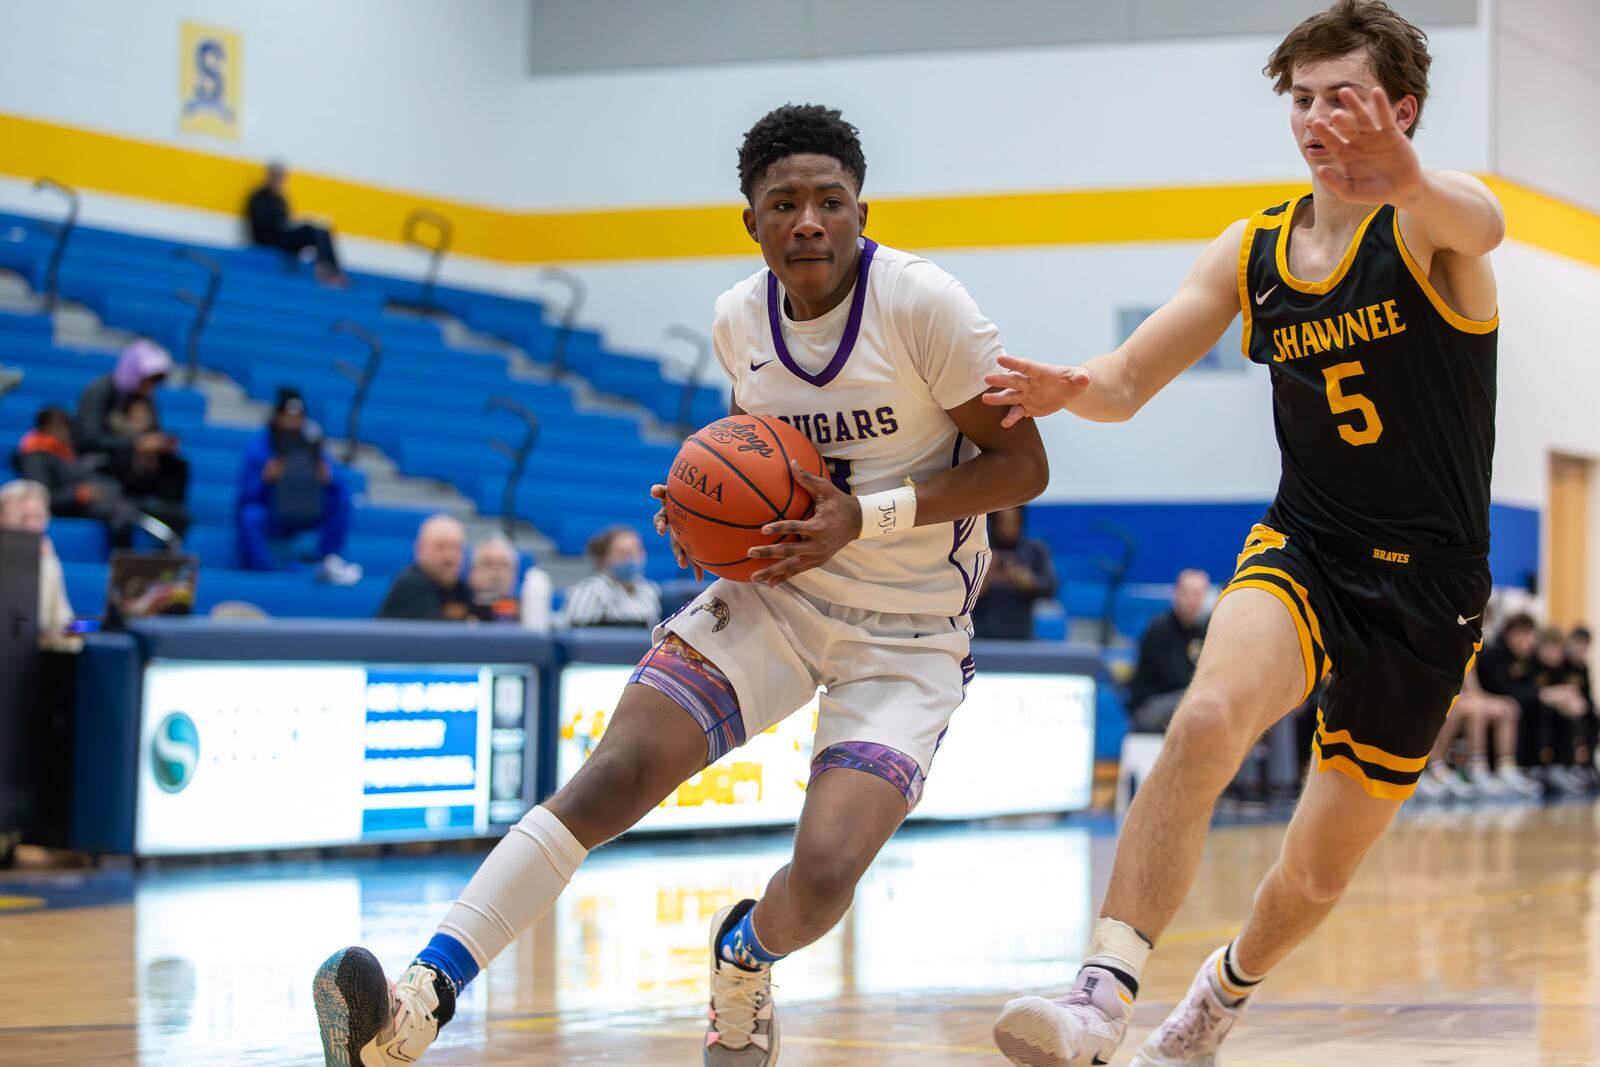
(963, 531)
(694, 683)
(852, 327)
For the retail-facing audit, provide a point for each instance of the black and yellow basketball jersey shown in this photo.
(1383, 396)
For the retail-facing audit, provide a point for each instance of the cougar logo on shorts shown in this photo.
(718, 610)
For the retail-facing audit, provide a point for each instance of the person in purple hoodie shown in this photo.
(118, 427)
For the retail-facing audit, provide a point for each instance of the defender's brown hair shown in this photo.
(1397, 49)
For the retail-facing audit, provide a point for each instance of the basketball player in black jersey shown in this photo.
(1371, 302)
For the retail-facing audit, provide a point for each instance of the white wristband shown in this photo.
(890, 510)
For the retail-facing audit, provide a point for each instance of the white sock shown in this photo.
(1232, 983)
(517, 884)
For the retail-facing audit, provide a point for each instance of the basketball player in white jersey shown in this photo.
(879, 357)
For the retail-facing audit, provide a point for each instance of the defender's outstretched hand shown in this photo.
(1032, 390)
(1377, 164)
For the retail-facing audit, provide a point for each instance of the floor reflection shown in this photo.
(1469, 938)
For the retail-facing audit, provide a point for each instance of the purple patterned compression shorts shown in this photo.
(694, 683)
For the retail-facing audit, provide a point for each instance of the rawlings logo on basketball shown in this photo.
(719, 611)
(749, 438)
(696, 479)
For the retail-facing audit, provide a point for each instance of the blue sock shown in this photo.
(743, 949)
(451, 959)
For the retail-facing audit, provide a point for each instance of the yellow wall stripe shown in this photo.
(1545, 222)
(184, 177)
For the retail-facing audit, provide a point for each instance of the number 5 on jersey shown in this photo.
(1340, 402)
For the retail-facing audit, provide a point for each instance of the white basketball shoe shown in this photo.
(1077, 1030)
(1191, 1035)
(366, 1022)
(743, 1028)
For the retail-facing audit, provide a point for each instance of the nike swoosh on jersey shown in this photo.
(757, 366)
(1462, 622)
(1261, 298)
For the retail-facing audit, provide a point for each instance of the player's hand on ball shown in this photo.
(1033, 390)
(835, 521)
(659, 492)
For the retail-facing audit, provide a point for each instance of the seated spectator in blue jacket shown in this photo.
(289, 484)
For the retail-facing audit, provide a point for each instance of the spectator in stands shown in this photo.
(431, 588)
(1020, 574)
(290, 484)
(1578, 658)
(1505, 665)
(1505, 668)
(271, 225)
(1168, 653)
(1478, 714)
(25, 505)
(118, 427)
(1558, 710)
(493, 579)
(618, 593)
(77, 488)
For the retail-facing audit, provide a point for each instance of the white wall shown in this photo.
(1546, 65)
(1162, 113)
(402, 93)
(1549, 369)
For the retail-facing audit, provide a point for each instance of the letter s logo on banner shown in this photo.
(175, 752)
(208, 81)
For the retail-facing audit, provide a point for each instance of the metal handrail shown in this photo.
(446, 231)
(362, 376)
(1116, 570)
(201, 304)
(10, 381)
(53, 272)
(577, 291)
(518, 454)
(697, 372)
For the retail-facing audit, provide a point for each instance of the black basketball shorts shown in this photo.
(1393, 632)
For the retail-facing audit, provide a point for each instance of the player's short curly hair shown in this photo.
(1398, 50)
(796, 129)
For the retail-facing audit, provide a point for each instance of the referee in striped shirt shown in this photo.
(618, 593)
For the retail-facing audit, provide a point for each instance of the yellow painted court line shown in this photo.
(185, 177)
(20, 903)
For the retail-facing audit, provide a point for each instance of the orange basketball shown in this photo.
(729, 480)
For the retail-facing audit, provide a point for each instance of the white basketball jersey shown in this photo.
(869, 383)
